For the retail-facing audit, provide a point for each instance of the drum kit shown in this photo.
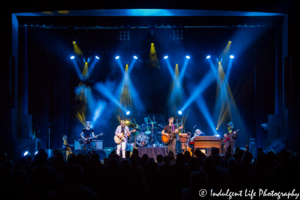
(148, 134)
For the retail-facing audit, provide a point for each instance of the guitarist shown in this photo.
(87, 131)
(231, 141)
(169, 129)
(125, 130)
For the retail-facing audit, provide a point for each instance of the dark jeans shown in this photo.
(192, 149)
(172, 146)
(230, 142)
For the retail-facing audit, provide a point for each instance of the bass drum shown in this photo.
(141, 139)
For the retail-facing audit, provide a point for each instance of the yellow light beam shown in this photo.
(153, 57)
(76, 48)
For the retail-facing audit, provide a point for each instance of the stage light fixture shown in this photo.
(208, 57)
(231, 56)
(180, 112)
(217, 135)
(36, 153)
(124, 35)
(117, 57)
(128, 112)
(74, 42)
(135, 57)
(26, 153)
(187, 57)
(72, 57)
(165, 57)
(97, 57)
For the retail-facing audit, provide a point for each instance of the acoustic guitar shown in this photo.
(119, 139)
(171, 135)
(88, 139)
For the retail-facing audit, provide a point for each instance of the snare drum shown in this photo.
(141, 139)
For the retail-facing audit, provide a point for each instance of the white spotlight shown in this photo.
(231, 56)
(165, 57)
(208, 57)
(188, 57)
(97, 57)
(72, 57)
(128, 112)
(25, 153)
(135, 57)
(117, 57)
(180, 112)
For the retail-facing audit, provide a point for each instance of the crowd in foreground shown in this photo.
(169, 177)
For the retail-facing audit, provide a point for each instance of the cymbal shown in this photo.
(152, 122)
(131, 125)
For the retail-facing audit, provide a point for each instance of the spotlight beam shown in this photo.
(183, 69)
(228, 71)
(106, 92)
(100, 107)
(203, 108)
(206, 81)
(77, 70)
(120, 65)
(213, 68)
(131, 65)
(170, 68)
(93, 65)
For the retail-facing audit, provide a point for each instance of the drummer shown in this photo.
(146, 126)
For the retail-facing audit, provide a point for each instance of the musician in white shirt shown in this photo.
(122, 129)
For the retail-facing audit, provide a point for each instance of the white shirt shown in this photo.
(119, 131)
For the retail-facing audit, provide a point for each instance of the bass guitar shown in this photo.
(171, 135)
(229, 136)
(88, 139)
(120, 138)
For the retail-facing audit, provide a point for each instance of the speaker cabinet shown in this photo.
(95, 144)
(26, 126)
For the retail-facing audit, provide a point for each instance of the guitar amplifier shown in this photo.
(95, 144)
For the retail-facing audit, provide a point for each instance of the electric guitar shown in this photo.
(88, 139)
(119, 139)
(171, 135)
(230, 135)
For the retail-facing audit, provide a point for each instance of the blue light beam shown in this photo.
(91, 67)
(120, 65)
(170, 68)
(206, 81)
(77, 70)
(106, 92)
(132, 64)
(203, 108)
(181, 74)
(228, 71)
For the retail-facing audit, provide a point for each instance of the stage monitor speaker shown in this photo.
(26, 126)
(273, 127)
